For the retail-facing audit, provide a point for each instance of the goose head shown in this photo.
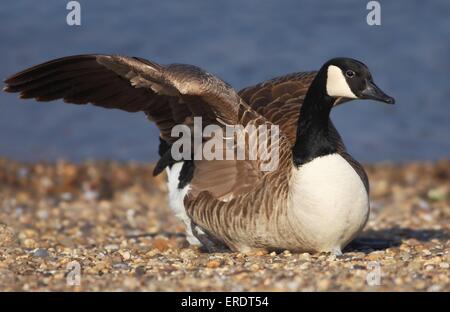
(348, 79)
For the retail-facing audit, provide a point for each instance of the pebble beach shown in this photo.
(106, 226)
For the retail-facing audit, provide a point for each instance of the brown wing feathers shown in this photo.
(279, 100)
(168, 95)
(79, 80)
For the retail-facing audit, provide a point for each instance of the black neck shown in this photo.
(313, 137)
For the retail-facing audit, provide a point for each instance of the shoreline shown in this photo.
(112, 218)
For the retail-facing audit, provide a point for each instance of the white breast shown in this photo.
(329, 202)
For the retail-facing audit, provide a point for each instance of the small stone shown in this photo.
(66, 196)
(139, 271)
(405, 248)
(130, 282)
(121, 266)
(42, 214)
(304, 266)
(161, 244)
(323, 284)
(287, 253)
(101, 256)
(305, 256)
(29, 243)
(292, 286)
(41, 253)
(420, 284)
(260, 253)
(405, 257)
(331, 258)
(102, 266)
(90, 195)
(434, 288)
(375, 255)
(444, 265)
(66, 241)
(111, 247)
(437, 194)
(429, 267)
(125, 255)
(213, 264)
(398, 281)
(358, 267)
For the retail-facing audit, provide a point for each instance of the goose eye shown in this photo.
(350, 73)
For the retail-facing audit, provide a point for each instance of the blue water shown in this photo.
(243, 42)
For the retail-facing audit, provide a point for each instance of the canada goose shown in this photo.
(317, 198)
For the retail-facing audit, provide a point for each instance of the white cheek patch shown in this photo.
(337, 86)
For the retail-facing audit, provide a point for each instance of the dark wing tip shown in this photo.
(165, 161)
(160, 166)
(8, 82)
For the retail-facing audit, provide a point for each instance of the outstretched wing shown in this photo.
(170, 95)
(130, 84)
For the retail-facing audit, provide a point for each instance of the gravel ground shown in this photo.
(111, 221)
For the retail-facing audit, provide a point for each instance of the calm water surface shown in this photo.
(243, 42)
